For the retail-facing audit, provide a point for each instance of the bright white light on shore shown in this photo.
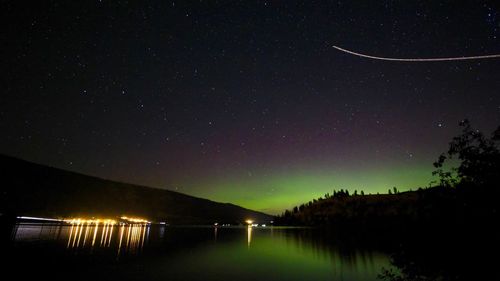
(38, 219)
(250, 222)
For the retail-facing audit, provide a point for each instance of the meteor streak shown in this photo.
(418, 59)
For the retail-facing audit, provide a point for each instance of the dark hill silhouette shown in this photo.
(467, 192)
(436, 204)
(38, 190)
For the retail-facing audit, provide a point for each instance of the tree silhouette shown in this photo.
(479, 158)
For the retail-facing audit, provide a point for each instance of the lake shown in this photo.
(156, 252)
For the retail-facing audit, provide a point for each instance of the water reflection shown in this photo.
(222, 253)
(35, 232)
(249, 235)
(134, 238)
(75, 239)
(126, 239)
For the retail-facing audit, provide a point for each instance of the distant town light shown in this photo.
(135, 220)
(79, 221)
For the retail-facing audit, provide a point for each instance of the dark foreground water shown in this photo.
(54, 252)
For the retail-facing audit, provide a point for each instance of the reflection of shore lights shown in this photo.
(132, 237)
(249, 236)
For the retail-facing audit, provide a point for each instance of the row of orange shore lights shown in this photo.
(121, 221)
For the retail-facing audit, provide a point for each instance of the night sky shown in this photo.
(245, 101)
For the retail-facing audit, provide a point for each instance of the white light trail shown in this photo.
(493, 56)
(38, 219)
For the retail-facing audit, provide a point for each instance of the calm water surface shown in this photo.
(58, 252)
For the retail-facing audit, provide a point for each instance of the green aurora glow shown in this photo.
(275, 193)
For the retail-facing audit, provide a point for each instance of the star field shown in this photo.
(245, 101)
